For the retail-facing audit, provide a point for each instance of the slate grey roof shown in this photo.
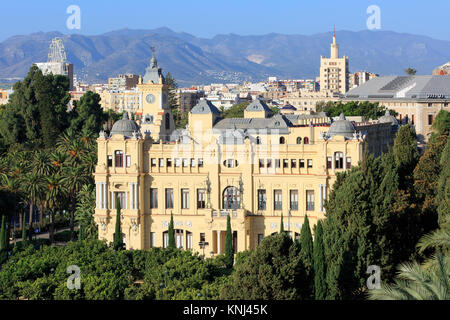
(275, 124)
(341, 127)
(125, 126)
(258, 105)
(203, 107)
(152, 73)
(296, 119)
(403, 87)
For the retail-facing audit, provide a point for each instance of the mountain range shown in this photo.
(224, 58)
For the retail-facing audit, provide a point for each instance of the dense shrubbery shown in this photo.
(353, 108)
(109, 274)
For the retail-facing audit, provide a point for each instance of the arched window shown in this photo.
(299, 140)
(167, 121)
(282, 140)
(231, 198)
(258, 140)
(305, 140)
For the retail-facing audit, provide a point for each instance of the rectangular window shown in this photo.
(430, 119)
(329, 162)
(277, 163)
(121, 197)
(260, 237)
(169, 162)
(201, 198)
(261, 199)
(192, 162)
(153, 162)
(118, 159)
(184, 198)
(412, 119)
(293, 196)
(202, 237)
(269, 163)
(310, 163)
(185, 162)
(152, 239)
(261, 163)
(277, 200)
(200, 162)
(309, 200)
(188, 240)
(128, 161)
(301, 163)
(165, 239)
(349, 162)
(169, 198)
(161, 162)
(293, 163)
(177, 162)
(110, 161)
(339, 160)
(153, 198)
(285, 163)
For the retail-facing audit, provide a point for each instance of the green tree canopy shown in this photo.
(354, 108)
(273, 271)
(37, 111)
(87, 114)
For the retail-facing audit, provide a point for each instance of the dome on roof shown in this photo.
(342, 127)
(125, 126)
(387, 118)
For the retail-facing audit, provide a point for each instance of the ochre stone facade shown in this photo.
(255, 169)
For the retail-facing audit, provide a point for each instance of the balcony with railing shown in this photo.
(223, 213)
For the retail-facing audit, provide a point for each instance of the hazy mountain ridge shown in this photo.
(224, 58)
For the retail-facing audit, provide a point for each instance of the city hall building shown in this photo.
(254, 169)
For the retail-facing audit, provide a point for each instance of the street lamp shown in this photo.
(202, 245)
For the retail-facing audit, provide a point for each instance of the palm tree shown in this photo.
(430, 281)
(32, 184)
(42, 164)
(73, 179)
(415, 282)
(12, 185)
(54, 197)
(84, 213)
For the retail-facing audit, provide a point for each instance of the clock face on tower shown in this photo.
(150, 98)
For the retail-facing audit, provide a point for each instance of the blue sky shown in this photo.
(208, 18)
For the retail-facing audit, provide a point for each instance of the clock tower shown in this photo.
(156, 117)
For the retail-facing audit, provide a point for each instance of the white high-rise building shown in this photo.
(334, 71)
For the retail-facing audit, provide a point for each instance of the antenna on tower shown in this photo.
(334, 30)
(57, 53)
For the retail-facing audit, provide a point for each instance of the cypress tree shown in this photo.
(406, 154)
(118, 240)
(229, 254)
(3, 234)
(281, 225)
(320, 288)
(443, 189)
(171, 233)
(306, 253)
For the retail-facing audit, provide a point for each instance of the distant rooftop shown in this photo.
(403, 87)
